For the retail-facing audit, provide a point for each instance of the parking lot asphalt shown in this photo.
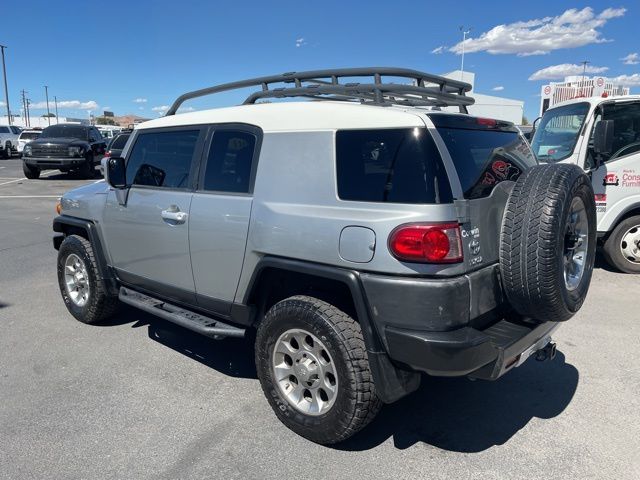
(138, 398)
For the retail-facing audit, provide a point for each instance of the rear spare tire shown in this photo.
(548, 242)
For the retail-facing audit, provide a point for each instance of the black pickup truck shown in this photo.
(66, 147)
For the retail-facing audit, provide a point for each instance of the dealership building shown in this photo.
(578, 86)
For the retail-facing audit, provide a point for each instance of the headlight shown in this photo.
(26, 150)
(76, 151)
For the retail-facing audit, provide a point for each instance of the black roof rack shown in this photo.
(424, 89)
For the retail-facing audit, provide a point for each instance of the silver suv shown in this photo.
(361, 238)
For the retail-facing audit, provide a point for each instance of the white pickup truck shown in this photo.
(8, 140)
(601, 135)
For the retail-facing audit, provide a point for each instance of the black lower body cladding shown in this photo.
(548, 242)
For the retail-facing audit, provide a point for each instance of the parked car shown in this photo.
(360, 242)
(117, 144)
(66, 147)
(601, 136)
(27, 136)
(8, 140)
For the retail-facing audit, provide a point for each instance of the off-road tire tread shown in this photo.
(529, 241)
(363, 400)
(102, 305)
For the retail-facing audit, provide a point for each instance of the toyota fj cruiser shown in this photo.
(364, 236)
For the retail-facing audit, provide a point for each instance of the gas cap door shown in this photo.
(357, 244)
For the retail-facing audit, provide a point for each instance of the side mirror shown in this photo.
(603, 137)
(116, 173)
(534, 125)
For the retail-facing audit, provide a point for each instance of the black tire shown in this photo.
(6, 153)
(356, 402)
(534, 241)
(30, 172)
(100, 305)
(87, 169)
(612, 250)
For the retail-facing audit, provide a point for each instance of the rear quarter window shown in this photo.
(392, 165)
(484, 158)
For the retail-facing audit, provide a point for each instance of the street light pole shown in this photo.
(464, 37)
(46, 92)
(6, 90)
(55, 100)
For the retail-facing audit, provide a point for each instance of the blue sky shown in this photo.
(138, 56)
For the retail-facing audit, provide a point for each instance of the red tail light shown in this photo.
(427, 243)
(489, 122)
(107, 153)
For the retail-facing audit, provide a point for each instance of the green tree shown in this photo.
(105, 121)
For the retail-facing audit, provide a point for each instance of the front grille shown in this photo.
(45, 150)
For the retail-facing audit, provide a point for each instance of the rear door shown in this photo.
(486, 156)
(148, 237)
(220, 213)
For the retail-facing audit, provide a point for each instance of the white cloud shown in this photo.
(558, 72)
(627, 80)
(106, 108)
(438, 50)
(631, 59)
(499, 88)
(2, 104)
(68, 104)
(300, 42)
(140, 100)
(140, 108)
(573, 28)
(161, 109)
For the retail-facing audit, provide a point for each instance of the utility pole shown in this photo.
(464, 37)
(584, 70)
(24, 106)
(55, 100)
(28, 118)
(46, 92)
(6, 90)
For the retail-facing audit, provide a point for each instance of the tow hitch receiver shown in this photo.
(548, 352)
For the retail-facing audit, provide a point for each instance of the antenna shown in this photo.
(464, 38)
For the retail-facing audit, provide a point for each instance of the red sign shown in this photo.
(547, 90)
(600, 81)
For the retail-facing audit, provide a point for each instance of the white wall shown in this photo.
(37, 121)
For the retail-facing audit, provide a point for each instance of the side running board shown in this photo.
(185, 318)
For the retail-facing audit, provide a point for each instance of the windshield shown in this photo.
(484, 158)
(558, 132)
(65, 131)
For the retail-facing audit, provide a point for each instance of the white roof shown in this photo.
(297, 116)
(597, 100)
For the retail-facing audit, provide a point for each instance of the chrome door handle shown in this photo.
(175, 216)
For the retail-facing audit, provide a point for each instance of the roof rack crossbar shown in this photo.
(425, 88)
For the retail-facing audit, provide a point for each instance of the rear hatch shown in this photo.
(483, 158)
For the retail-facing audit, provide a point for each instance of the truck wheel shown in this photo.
(30, 172)
(87, 169)
(622, 248)
(83, 292)
(6, 153)
(548, 242)
(313, 367)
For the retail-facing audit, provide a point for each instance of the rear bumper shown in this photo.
(46, 162)
(453, 326)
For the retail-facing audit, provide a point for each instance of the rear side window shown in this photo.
(162, 159)
(4, 130)
(230, 161)
(394, 165)
(119, 142)
(484, 158)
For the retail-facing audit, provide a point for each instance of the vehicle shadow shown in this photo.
(458, 415)
(230, 356)
(602, 264)
(453, 414)
(72, 176)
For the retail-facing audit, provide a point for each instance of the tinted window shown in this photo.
(65, 131)
(29, 135)
(15, 129)
(230, 160)
(484, 158)
(626, 128)
(5, 130)
(395, 165)
(119, 142)
(162, 159)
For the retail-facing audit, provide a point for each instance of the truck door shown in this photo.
(616, 182)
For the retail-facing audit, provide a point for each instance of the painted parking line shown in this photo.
(25, 178)
(30, 196)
